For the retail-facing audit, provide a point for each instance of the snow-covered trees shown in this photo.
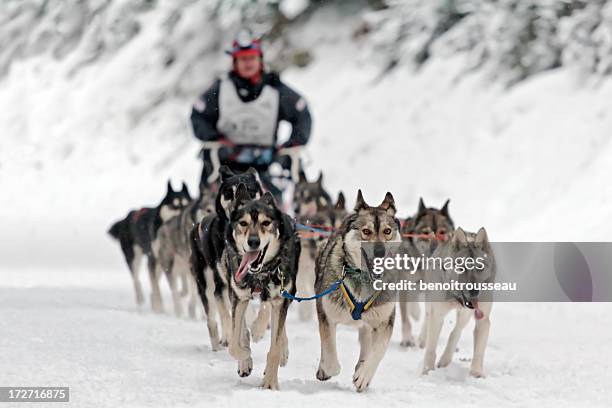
(509, 39)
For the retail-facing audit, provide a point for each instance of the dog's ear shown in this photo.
(252, 171)
(444, 209)
(422, 207)
(459, 237)
(225, 173)
(388, 204)
(320, 179)
(185, 190)
(360, 204)
(268, 199)
(242, 195)
(169, 187)
(481, 236)
(341, 202)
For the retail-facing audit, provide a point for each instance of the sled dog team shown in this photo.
(232, 243)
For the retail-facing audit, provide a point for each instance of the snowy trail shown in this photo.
(94, 340)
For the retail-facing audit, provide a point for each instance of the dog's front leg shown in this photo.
(328, 363)
(154, 275)
(481, 336)
(463, 317)
(305, 282)
(365, 341)
(279, 315)
(260, 325)
(285, 349)
(435, 319)
(379, 343)
(226, 319)
(237, 350)
(406, 305)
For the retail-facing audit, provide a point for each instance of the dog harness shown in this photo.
(357, 308)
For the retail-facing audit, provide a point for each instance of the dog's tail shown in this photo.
(116, 229)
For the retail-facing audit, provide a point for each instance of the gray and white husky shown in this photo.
(174, 249)
(422, 233)
(356, 303)
(467, 303)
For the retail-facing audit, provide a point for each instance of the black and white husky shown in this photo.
(262, 260)
(207, 241)
(137, 235)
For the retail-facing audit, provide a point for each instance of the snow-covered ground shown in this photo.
(90, 336)
(79, 148)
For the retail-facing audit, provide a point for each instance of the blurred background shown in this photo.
(501, 106)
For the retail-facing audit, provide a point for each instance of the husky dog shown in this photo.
(357, 303)
(207, 241)
(312, 207)
(327, 218)
(262, 258)
(337, 213)
(174, 248)
(137, 235)
(423, 232)
(467, 303)
(309, 197)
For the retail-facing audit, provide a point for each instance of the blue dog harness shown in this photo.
(357, 308)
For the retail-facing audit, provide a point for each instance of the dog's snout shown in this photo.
(379, 250)
(253, 241)
(474, 293)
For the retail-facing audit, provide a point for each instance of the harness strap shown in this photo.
(357, 308)
(334, 286)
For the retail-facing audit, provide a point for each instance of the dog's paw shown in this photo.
(422, 341)
(445, 360)
(325, 373)
(427, 369)
(156, 305)
(322, 375)
(362, 377)
(216, 346)
(258, 330)
(477, 373)
(245, 367)
(239, 353)
(408, 342)
(270, 383)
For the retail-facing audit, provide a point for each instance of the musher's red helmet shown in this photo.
(245, 44)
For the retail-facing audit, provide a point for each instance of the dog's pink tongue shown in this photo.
(247, 259)
(477, 312)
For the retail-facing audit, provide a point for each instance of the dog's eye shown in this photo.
(387, 231)
(243, 224)
(366, 231)
(266, 223)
